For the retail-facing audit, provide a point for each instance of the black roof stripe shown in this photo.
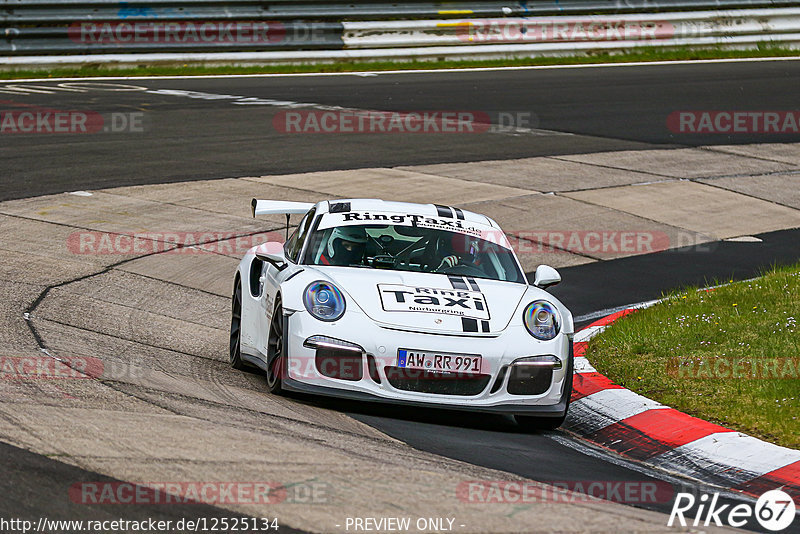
(444, 211)
(457, 282)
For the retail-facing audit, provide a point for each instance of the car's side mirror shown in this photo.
(546, 276)
(274, 255)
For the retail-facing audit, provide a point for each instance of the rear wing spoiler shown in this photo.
(274, 207)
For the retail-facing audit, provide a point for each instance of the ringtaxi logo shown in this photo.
(462, 303)
(774, 510)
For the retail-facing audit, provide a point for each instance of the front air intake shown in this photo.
(421, 381)
(339, 364)
(335, 358)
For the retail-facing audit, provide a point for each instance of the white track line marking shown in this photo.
(423, 71)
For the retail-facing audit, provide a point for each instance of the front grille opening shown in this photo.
(529, 380)
(340, 364)
(500, 377)
(421, 381)
(372, 368)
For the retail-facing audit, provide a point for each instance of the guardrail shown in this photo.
(675, 29)
(67, 11)
(249, 31)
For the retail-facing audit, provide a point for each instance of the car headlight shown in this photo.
(324, 301)
(541, 320)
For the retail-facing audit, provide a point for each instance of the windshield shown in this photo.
(413, 248)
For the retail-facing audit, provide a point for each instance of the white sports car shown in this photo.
(417, 304)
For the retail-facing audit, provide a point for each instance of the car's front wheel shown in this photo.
(276, 359)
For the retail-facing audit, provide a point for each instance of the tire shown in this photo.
(236, 328)
(276, 359)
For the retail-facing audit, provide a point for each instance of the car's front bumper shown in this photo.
(382, 344)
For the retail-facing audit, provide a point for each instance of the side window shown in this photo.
(290, 245)
(295, 243)
(256, 270)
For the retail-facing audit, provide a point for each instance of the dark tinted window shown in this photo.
(295, 243)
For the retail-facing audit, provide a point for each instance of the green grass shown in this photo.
(667, 352)
(643, 54)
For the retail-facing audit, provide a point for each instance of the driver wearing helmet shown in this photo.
(466, 250)
(346, 246)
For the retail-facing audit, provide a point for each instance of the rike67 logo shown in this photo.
(774, 510)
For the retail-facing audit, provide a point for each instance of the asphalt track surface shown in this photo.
(33, 485)
(612, 108)
(493, 442)
(605, 108)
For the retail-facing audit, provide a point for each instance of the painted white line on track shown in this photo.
(418, 71)
(608, 311)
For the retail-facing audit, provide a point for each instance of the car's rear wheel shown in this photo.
(236, 328)
(276, 359)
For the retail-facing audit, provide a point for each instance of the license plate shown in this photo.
(439, 361)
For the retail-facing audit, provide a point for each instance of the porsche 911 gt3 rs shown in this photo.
(417, 304)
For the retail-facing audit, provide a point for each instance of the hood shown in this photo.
(427, 302)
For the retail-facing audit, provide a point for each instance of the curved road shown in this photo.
(197, 129)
